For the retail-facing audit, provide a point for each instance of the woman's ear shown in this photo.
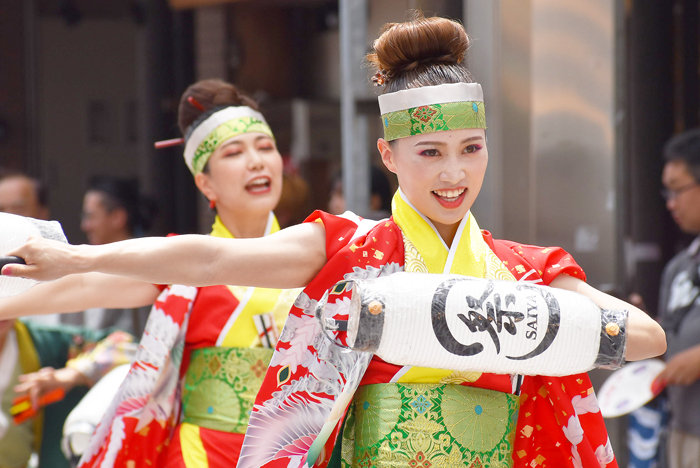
(203, 183)
(118, 219)
(387, 153)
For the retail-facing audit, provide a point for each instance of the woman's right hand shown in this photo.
(45, 260)
(38, 384)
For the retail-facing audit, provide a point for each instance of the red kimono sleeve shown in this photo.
(339, 230)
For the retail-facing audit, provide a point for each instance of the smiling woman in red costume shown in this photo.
(310, 411)
(211, 334)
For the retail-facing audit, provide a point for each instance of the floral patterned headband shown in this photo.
(206, 136)
(432, 109)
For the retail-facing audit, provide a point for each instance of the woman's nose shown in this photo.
(255, 160)
(452, 174)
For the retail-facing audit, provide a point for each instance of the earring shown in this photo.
(212, 204)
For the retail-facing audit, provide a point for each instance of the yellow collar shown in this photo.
(219, 230)
(469, 254)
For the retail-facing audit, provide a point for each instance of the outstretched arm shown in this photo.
(645, 337)
(287, 259)
(79, 292)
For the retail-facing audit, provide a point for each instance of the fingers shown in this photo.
(22, 271)
(45, 260)
(678, 374)
(37, 384)
(658, 385)
(35, 393)
(26, 253)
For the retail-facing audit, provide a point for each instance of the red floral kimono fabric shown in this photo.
(559, 423)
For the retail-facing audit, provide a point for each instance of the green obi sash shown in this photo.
(221, 385)
(423, 425)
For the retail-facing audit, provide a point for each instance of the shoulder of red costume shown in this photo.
(528, 261)
(342, 229)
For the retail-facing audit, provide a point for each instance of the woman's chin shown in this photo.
(446, 221)
(447, 217)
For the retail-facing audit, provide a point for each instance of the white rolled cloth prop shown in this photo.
(84, 418)
(14, 232)
(471, 324)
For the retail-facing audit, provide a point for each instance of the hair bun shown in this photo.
(421, 42)
(209, 94)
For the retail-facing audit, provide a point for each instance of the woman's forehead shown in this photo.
(246, 138)
(462, 135)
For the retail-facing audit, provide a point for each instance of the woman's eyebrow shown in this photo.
(474, 138)
(229, 143)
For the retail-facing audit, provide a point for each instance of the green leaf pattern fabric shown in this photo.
(221, 384)
(433, 118)
(429, 425)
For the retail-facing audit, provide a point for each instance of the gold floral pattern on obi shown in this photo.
(433, 118)
(429, 425)
(221, 385)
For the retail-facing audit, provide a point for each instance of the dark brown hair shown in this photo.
(210, 94)
(685, 147)
(421, 52)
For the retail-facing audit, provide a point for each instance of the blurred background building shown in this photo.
(581, 97)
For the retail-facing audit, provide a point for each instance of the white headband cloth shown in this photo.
(219, 127)
(429, 95)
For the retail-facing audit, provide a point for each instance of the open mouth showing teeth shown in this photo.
(449, 195)
(258, 185)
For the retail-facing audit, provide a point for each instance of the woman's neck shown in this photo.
(447, 232)
(243, 226)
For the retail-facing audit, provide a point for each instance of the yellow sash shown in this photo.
(29, 362)
(252, 301)
(426, 251)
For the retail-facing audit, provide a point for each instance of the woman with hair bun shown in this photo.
(217, 340)
(310, 410)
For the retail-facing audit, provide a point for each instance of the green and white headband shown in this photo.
(431, 109)
(205, 137)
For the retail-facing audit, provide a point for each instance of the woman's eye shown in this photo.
(429, 152)
(472, 148)
(267, 148)
(231, 153)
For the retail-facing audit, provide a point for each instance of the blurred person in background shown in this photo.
(380, 195)
(113, 210)
(23, 195)
(679, 301)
